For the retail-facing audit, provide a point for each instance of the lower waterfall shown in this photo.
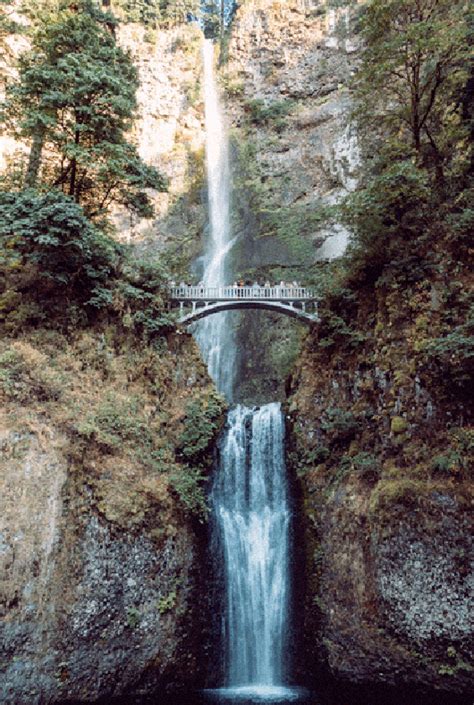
(251, 512)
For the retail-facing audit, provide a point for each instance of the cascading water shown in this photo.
(252, 516)
(213, 333)
(249, 496)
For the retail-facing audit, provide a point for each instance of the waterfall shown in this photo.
(249, 494)
(213, 333)
(250, 505)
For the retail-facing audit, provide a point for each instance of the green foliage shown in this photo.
(167, 602)
(51, 233)
(74, 100)
(140, 295)
(146, 12)
(200, 427)
(308, 458)
(364, 465)
(458, 458)
(115, 422)
(118, 424)
(134, 617)
(188, 484)
(385, 215)
(25, 376)
(54, 262)
(201, 423)
(453, 353)
(340, 423)
(414, 63)
(273, 114)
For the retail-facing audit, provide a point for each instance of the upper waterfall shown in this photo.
(213, 334)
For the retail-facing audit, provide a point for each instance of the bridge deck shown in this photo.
(216, 294)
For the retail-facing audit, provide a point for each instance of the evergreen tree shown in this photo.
(75, 100)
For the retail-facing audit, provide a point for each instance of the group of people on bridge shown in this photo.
(240, 284)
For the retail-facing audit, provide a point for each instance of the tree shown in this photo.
(414, 64)
(50, 234)
(75, 101)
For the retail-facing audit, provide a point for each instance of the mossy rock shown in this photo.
(398, 425)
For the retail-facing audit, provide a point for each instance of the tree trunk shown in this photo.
(72, 179)
(34, 159)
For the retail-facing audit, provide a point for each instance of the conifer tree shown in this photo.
(74, 101)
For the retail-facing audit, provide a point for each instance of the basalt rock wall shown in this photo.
(101, 550)
(383, 450)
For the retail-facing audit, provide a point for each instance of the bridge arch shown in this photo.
(275, 306)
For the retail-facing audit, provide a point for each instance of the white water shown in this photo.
(249, 495)
(251, 512)
(213, 333)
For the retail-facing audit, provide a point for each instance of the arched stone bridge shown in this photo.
(294, 301)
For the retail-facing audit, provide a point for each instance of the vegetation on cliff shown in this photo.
(382, 425)
(71, 103)
(88, 341)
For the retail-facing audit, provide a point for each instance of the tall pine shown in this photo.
(74, 102)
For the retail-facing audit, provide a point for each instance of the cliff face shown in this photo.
(287, 74)
(168, 131)
(383, 450)
(101, 556)
(170, 135)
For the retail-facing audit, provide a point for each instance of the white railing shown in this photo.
(237, 293)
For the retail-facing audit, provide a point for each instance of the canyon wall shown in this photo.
(285, 75)
(382, 447)
(102, 551)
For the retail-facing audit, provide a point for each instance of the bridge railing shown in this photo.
(234, 293)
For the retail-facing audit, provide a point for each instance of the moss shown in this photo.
(398, 425)
(126, 414)
(390, 493)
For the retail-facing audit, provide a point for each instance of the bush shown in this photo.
(140, 296)
(50, 234)
(454, 354)
(458, 458)
(201, 423)
(343, 425)
(271, 114)
(188, 484)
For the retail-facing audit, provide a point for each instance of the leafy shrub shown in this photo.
(119, 423)
(454, 353)
(274, 113)
(341, 424)
(114, 422)
(390, 210)
(50, 233)
(201, 423)
(188, 483)
(140, 296)
(458, 459)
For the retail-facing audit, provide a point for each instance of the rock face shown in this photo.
(383, 455)
(169, 133)
(285, 76)
(287, 82)
(100, 561)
